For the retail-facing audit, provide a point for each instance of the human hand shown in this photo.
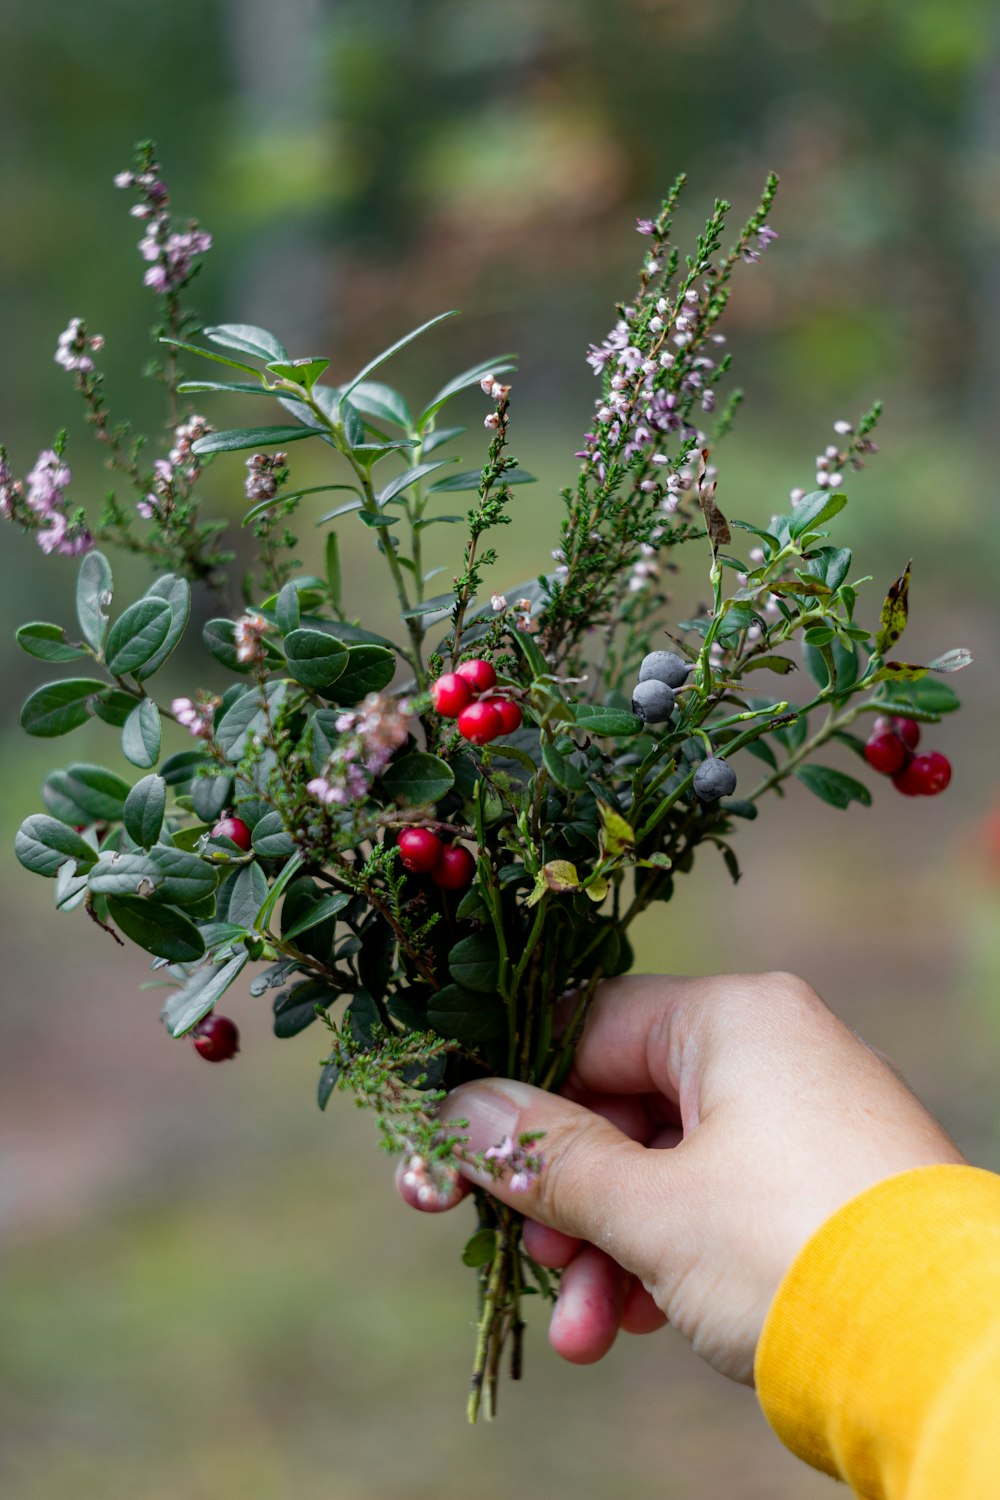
(708, 1128)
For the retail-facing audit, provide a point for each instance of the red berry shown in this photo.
(480, 722)
(925, 776)
(456, 868)
(510, 714)
(450, 694)
(479, 675)
(886, 753)
(908, 731)
(235, 830)
(420, 850)
(216, 1038)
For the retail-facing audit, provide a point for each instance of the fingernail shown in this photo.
(492, 1109)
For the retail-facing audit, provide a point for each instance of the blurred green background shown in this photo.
(210, 1289)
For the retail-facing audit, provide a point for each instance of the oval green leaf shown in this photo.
(418, 778)
(144, 808)
(314, 658)
(203, 990)
(93, 596)
(159, 929)
(48, 642)
(137, 635)
(43, 844)
(60, 707)
(141, 735)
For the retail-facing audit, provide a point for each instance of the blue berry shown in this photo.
(666, 667)
(652, 701)
(713, 779)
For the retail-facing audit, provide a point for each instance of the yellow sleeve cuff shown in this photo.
(879, 1361)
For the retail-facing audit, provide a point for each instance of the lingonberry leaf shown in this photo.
(369, 669)
(418, 778)
(144, 808)
(137, 635)
(162, 930)
(141, 734)
(892, 621)
(43, 844)
(48, 642)
(248, 716)
(60, 707)
(271, 839)
(474, 962)
(203, 989)
(833, 786)
(93, 597)
(177, 593)
(85, 794)
(466, 1015)
(314, 658)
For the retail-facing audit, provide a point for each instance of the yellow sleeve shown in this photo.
(879, 1361)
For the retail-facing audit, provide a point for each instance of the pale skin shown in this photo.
(709, 1127)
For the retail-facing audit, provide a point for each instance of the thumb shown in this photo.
(595, 1183)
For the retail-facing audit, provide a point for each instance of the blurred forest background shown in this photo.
(209, 1288)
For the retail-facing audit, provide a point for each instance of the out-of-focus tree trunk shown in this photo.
(983, 191)
(283, 100)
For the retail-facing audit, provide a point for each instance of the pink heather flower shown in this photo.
(498, 602)
(46, 482)
(72, 346)
(645, 226)
(156, 278)
(196, 717)
(147, 507)
(124, 179)
(520, 1181)
(516, 1157)
(797, 496)
(491, 422)
(247, 636)
(503, 1152)
(321, 789)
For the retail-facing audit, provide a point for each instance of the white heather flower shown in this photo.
(487, 383)
(656, 325)
(843, 427)
(835, 479)
(498, 602)
(491, 422)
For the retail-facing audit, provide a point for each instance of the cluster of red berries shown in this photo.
(889, 751)
(458, 695)
(450, 866)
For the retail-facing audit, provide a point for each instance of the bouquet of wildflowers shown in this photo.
(432, 847)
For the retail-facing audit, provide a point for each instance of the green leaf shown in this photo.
(369, 669)
(48, 642)
(44, 844)
(159, 929)
(286, 610)
(380, 359)
(203, 990)
(247, 339)
(247, 717)
(137, 635)
(333, 578)
(60, 707)
(892, 621)
(434, 440)
(833, 786)
(474, 962)
(164, 873)
(617, 836)
(177, 592)
(562, 770)
(144, 808)
(612, 721)
(327, 1083)
(383, 403)
(304, 372)
(93, 596)
(238, 438)
(219, 359)
(243, 387)
(480, 1249)
(243, 896)
(472, 479)
(210, 796)
(271, 839)
(326, 906)
(295, 1009)
(87, 794)
(501, 365)
(114, 706)
(952, 661)
(418, 778)
(899, 671)
(925, 697)
(141, 734)
(813, 510)
(181, 767)
(468, 1017)
(779, 664)
(408, 477)
(314, 658)
(819, 635)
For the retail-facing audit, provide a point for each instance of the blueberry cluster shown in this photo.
(660, 674)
